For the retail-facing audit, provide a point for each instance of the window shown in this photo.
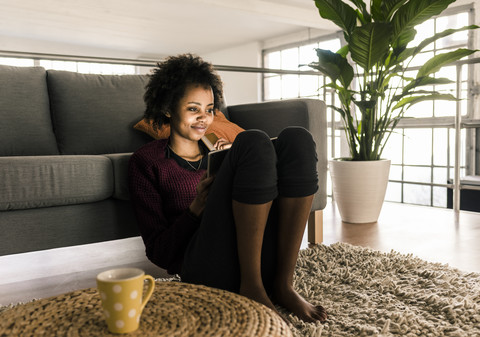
(423, 157)
(80, 67)
(422, 147)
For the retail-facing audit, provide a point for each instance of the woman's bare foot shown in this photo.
(258, 294)
(292, 301)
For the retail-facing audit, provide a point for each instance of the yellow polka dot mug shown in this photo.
(122, 296)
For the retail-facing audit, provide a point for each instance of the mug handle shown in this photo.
(149, 291)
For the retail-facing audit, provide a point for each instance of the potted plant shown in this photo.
(368, 75)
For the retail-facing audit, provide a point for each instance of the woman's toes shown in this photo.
(295, 303)
(320, 313)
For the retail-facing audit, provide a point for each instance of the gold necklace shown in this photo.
(189, 164)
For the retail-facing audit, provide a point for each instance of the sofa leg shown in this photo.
(315, 227)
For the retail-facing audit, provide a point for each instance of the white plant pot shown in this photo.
(359, 188)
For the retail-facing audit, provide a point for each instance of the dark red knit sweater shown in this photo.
(161, 192)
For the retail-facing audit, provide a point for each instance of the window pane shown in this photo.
(273, 89)
(393, 149)
(418, 146)
(337, 144)
(439, 196)
(420, 59)
(107, 69)
(395, 172)
(452, 148)
(309, 85)
(416, 194)
(290, 86)
(424, 30)
(394, 192)
(440, 150)
(272, 60)
(16, 62)
(290, 59)
(448, 72)
(332, 45)
(417, 174)
(307, 55)
(123, 69)
(445, 108)
(422, 109)
(452, 21)
(440, 175)
(59, 65)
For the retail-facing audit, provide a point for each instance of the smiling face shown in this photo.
(194, 113)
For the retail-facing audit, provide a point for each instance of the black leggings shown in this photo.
(255, 171)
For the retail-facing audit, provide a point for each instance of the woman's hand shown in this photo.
(203, 186)
(221, 144)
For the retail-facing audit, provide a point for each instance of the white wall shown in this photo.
(239, 88)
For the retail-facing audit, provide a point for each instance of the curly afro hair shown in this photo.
(169, 81)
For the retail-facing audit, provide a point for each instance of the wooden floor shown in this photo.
(433, 234)
(437, 235)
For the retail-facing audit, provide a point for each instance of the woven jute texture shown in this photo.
(175, 309)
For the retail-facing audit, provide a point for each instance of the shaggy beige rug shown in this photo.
(369, 293)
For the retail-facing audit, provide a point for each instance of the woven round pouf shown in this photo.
(175, 309)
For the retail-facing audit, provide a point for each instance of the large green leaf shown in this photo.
(438, 61)
(400, 43)
(405, 54)
(339, 13)
(362, 12)
(417, 99)
(370, 44)
(365, 105)
(414, 12)
(360, 5)
(397, 98)
(382, 10)
(423, 81)
(440, 35)
(334, 66)
(343, 51)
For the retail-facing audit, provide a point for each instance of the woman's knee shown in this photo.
(296, 141)
(254, 161)
(253, 143)
(253, 137)
(297, 134)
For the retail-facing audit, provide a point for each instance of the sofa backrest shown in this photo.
(95, 114)
(25, 124)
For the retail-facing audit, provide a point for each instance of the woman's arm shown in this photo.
(198, 204)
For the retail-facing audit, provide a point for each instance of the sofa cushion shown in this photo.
(120, 174)
(26, 126)
(95, 114)
(43, 181)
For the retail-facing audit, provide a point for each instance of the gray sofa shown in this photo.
(65, 141)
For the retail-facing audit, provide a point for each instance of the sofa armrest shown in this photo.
(120, 173)
(273, 117)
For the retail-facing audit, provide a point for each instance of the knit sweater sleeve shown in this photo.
(165, 237)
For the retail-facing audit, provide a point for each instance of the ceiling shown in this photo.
(148, 29)
(152, 28)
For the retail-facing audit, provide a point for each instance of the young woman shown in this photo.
(240, 230)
